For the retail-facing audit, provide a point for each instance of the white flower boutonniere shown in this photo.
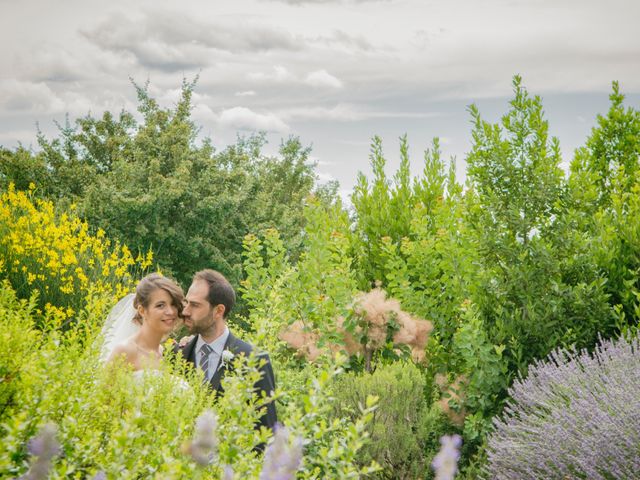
(227, 356)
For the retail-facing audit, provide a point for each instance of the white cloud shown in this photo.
(24, 96)
(279, 74)
(319, 2)
(349, 113)
(203, 114)
(341, 112)
(325, 177)
(246, 93)
(242, 118)
(322, 78)
(170, 41)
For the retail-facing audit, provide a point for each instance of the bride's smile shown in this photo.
(154, 312)
(161, 314)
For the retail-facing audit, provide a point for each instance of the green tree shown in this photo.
(22, 167)
(604, 184)
(154, 184)
(526, 303)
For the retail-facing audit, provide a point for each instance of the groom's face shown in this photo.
(200, 317)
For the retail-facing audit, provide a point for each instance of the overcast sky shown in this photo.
(333, 72)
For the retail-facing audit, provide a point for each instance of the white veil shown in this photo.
(118, 326)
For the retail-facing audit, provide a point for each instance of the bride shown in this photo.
(139, 323)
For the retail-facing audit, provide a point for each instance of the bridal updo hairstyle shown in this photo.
(151, 283)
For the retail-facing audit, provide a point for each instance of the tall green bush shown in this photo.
(526, 302)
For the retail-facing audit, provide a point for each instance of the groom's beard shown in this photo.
(203, 327)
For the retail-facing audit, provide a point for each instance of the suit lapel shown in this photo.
(189, 350)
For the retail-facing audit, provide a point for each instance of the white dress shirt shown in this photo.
(217, 346)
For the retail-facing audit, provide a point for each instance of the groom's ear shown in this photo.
(220, 310)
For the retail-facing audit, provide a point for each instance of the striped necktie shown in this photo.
(205, 355)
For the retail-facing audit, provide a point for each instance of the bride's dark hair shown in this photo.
(151, 283)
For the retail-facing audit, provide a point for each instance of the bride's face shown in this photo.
(161, 314)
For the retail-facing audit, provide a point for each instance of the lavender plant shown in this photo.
(445, 462)
(575, 416)
(44, 447)
(204, 447)
(282, 457)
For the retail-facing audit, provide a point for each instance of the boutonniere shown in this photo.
(227, 357)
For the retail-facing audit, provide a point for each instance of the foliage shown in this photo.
(154, 185)
(613, 149)
(56, 256)
(22, 169)
(405, 429)
(316, 290)
(131, 425)
(18, 331)
(605, 182)
(520, 262)
(526, 302)
(381, 212)
(574, 416)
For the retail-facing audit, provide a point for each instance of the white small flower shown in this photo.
(227, 356)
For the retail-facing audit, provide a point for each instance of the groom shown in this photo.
(208, 303)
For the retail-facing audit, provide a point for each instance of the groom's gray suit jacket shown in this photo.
(266, 384)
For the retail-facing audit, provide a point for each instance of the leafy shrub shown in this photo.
(127, 426)
(405, 429)
(575, 416)
(17, 331)
(57, 256)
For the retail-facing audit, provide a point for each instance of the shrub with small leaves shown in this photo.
(405, 428)
(575, 416)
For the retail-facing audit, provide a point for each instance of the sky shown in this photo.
(332, 72)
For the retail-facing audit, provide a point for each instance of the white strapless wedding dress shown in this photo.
(148, 377)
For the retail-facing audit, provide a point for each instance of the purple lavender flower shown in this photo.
(44, 447)
(575, 416)
(227, 473)
(100, 476)
(282, 457)
(204, 446)
(445, 463)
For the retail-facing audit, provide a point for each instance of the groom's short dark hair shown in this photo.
(220, 290)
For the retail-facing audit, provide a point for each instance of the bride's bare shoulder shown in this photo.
(126, 349)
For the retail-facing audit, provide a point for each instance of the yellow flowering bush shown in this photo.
(56, 255)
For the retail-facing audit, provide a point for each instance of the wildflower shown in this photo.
(282, 457)
(445, 462)
(44, 447)
(204, 446)
(227, 473)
